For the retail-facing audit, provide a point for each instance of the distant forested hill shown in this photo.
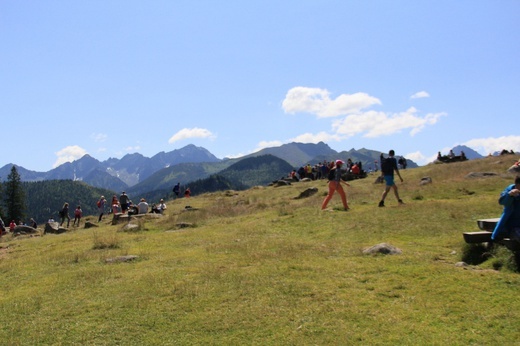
(45, 198)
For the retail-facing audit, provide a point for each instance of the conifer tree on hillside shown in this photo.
(14, 196)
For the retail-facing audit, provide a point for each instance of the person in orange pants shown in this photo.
(335, 182)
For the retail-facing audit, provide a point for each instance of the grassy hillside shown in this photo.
(259, 267)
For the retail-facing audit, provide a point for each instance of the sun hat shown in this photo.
(339, 162)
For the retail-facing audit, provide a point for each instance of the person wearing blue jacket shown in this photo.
(509, 223)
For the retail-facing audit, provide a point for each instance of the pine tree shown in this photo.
(14, 196)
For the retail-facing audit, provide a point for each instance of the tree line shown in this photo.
(42, 200)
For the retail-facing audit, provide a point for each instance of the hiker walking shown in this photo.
(388, 166)
(335, 182)
(64, 214)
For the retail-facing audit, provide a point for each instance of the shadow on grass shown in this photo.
(476, 254)
(499, 256)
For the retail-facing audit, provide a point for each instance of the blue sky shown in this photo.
(108, 78)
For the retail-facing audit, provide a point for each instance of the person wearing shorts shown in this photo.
(388, 167)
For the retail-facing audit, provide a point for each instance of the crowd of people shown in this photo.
(322, 169)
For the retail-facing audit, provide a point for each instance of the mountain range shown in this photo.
(140, 174)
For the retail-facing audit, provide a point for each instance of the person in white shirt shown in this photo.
(161, 207)
(142, 206)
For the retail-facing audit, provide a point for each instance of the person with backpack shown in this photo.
(388, 166)
(64, 214)
(335, 181)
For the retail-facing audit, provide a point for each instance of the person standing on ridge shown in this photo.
(78, 213)
(176, 190)
(335, 185)
(388, 166)
(101, 207)
(123, 201)
(64, 214)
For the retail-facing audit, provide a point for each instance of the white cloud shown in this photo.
(376, 124)
(317, 101)
(415, 157)
(69, 154)
(420, 95)
(420, 159)
(356, 120)
(490, 145)
(99, 137)
(191, 133)
(133, 149)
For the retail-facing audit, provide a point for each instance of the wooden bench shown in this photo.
(484, 235)
(487, 224)
(477, 237)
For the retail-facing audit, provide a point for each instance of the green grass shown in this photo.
(261, 268)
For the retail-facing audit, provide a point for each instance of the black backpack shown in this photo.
(332, 174)
(387, 166)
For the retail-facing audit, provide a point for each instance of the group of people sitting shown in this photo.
(321, 170)
(143, 207)
(451, 156)
(124, 205)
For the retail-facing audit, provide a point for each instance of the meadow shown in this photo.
(259, 267)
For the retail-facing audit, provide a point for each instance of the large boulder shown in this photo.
(307, 193)
(119, 259)
(54, 228)
(426, 181)
(481, 175)
(23, 229)
(130, 227)
(90, 224)
(383, 248)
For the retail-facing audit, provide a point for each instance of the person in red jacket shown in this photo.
(77, 215)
